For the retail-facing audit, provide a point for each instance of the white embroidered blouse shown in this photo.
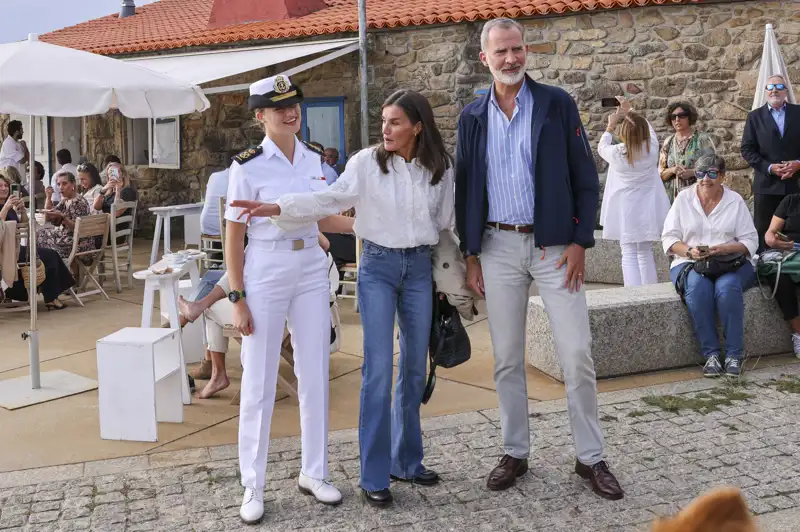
(397, 210)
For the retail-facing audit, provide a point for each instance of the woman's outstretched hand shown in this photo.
(253, 209)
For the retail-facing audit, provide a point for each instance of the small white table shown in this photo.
(139, 374)
(167, 285)
(163, 216)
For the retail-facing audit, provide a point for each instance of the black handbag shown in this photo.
(449, 343)
(718, 265)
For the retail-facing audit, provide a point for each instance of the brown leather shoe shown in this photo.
(503, 476)
(603, 481)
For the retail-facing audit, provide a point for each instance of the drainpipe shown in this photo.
(362, 51)
(128, 9)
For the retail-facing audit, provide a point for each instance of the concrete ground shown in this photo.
(66, 431)
(666, 443)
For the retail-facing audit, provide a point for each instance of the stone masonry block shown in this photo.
(604, 261)
(647, 328)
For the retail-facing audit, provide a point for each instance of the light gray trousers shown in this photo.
(510, 261)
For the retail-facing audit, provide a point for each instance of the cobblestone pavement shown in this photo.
(663, 459)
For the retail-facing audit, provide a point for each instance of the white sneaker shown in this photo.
(796, 344)
(252, 509)
(322, 490)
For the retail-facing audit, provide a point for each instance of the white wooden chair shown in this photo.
(207, 241)
(121, 257)
(93, 226)
(351, 269)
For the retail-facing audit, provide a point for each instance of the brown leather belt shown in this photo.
(511, 227)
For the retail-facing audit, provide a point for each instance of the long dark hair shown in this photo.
(94, 174)
(429, 150)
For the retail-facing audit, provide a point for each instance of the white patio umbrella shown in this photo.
(771, 65)
(94, 85)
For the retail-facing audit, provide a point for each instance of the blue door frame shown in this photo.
(336, 101)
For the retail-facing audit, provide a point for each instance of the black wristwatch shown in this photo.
(689, 252)
(236, 295)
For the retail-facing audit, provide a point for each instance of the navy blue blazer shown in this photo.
(567, 188)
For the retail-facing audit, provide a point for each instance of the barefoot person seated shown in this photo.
(212, 300)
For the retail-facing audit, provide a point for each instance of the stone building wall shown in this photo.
(707, 53)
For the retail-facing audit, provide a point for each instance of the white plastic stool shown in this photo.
(167, 286)
(139, 374)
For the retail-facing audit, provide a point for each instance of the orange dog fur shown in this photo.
(720, 510)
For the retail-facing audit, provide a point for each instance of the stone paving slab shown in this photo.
(663, 459)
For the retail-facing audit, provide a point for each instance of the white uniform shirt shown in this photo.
(69, 167)
(216, 189)
(730, 221)
(11, 153)
(267, 177)
(634, 200)
(396, 210)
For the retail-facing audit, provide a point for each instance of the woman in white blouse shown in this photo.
(403, 193)
(708, 221)
(634, 201)
(91, 185)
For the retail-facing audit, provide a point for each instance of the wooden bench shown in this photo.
(647, 328)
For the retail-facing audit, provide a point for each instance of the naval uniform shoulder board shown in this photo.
(248, 155)
(313, 148)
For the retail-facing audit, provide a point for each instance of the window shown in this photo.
(323, 122)
(154, 142)
(137, 152)
(165, 135)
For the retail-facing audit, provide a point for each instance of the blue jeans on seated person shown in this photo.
(393, 282)
(724, 296)
(207, 284)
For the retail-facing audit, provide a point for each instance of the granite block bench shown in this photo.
(604, 261)
(647, 328)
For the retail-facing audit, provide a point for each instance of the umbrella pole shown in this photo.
(33, 335)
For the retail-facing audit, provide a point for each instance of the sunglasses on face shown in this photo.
(776, 86)
(711, 174)
(677, 116)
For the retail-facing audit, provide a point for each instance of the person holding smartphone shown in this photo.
(634, 202)
(784, 235)
(710, 220)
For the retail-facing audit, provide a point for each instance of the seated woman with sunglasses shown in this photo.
(681, 150)
(709, 221)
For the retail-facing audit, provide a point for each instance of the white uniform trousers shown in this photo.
(281, 284)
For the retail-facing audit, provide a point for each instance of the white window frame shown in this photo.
(150, 128)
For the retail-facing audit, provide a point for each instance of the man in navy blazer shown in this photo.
(771, 146)
(527, 193)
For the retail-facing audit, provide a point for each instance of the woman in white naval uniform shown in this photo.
(282, 274)
(403, 194)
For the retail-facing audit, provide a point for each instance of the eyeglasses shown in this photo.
(776, 86)
(711, 174)
(676, 116)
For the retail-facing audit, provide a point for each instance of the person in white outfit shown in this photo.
(403, 193)
(282, 274)
(634, 201)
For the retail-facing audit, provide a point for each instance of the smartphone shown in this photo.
(609, 102)
(15, 190)
(113, 173)
(781, 236)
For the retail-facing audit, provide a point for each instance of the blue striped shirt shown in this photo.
(509, 179)
(779, 115)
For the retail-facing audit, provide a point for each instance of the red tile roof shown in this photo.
(170, 24)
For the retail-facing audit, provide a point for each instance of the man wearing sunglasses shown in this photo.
(771, 146)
